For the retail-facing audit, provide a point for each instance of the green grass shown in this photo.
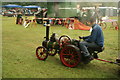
(19, 60)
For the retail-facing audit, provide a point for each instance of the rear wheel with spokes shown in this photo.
(70, 56)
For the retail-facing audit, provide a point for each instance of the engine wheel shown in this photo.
(52, 52)
(70, 56)
(64, 40)
(41, 53)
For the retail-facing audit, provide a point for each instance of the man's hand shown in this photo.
(80, 37)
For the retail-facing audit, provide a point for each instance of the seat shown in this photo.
(100, 49)
(96, 50)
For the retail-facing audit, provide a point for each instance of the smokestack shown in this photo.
(47, 30)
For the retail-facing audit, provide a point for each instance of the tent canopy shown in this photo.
(31, 6)
(12, 6)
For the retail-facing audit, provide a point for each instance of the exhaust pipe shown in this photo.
(47, 29)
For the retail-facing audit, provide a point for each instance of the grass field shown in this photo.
(19, 60)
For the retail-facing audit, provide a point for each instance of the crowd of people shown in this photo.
(26, 21)
(82, 14)
(12, 12)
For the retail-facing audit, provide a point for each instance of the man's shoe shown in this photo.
(95, 55)
(88, 59)
(118, 60)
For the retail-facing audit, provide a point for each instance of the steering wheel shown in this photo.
(64, 40)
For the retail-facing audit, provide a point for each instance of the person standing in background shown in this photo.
(79, 12)
(19, 18)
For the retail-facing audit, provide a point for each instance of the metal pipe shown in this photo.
(47, 29)
(47, 33)
(108, 61)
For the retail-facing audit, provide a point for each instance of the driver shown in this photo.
(95, 40)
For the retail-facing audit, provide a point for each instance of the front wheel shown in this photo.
(52, 52)
(41, 53)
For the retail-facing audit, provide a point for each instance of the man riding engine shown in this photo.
(72, 51)
(93, 42)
